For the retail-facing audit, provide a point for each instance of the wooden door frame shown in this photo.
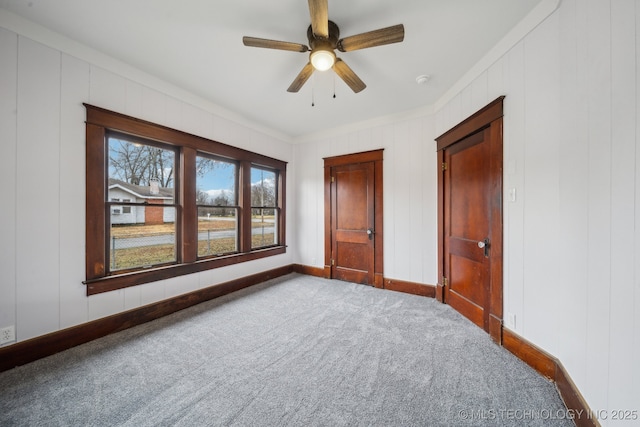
(364, 157)
(488, 117)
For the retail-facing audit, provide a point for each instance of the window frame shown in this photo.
(275, 207)
(235, 206)
(99, 123)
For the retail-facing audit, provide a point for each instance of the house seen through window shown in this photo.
(142, 232)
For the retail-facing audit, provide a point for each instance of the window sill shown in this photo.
(120, 281)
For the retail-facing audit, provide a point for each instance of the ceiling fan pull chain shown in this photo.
(334, 85)
(313, 91)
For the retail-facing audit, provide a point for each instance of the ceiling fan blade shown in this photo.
(274, 44)
(319, 11)
(374, 38)
(350, 78)
(301, 78)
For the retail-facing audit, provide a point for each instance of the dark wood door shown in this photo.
(467, 246)
(353, 218)
(353, 222)
(470, 218)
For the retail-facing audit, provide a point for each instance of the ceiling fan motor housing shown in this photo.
(324, 38)
(328, 43)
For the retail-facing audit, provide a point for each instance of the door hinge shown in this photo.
(445, 281)
(444, 166)
(333, 262)
(333, 179)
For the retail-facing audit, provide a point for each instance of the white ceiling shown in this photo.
(197, 45)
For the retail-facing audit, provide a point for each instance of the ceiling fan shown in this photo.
(324, 38)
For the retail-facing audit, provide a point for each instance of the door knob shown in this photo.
(370, 233)
(484, 244)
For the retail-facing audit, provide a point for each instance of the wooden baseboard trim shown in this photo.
(410, 287)
(552, 368)
(495, 329)
(380, 281)
(533, 356)
(309, 271)
(55, 342)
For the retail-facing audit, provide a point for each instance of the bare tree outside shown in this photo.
(263, 190)
(139, 164)
(202, 197)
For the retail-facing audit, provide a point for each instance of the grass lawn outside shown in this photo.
(150, 255)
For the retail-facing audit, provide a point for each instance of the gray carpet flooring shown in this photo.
(294, 351)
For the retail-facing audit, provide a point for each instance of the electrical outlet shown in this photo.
(7, 334)
(511, 320)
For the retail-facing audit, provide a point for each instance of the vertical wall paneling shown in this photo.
(42, 168)
(402, 192)
(175, 286)
(574, 177)
(227, 131)
(133, 99)
(573, 174)
(8, 132)
(173, 115)
(38, 192)
(495, 82)
(466, 106)
(74, 90)
(541, 259)
(416, 204)
(429, 222)
(194, 120)
(455, 112)
(150, 293)
(353, 142)
(313, 217)
(132, 297)
(599, 208)
(106, 304)
(635, 326)
(323, 149)
(409, 187)
(571, 155)
(514, 137)
(635, 395)
(108, 90)
(623, 146)
(154, 106)
(479, 90)
(389, 167)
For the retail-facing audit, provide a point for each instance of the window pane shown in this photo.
(141, 173)
(140, 245)
(263, 188)
(217, 231)
(264, 230)
(215, 182)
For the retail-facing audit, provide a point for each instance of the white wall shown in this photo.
(572, 255)
(410, 194)
(42, 170)
(572, 244)
(572, 252)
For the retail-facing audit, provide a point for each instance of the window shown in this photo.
(264, 207)
(216, 182)
(147, 171)
(162, 203)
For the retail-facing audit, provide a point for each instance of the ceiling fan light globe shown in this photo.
(322, 60)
